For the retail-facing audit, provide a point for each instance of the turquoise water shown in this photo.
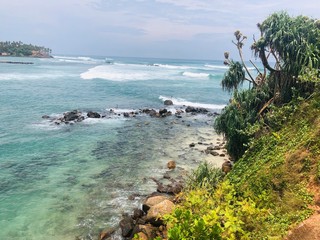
(68, 181)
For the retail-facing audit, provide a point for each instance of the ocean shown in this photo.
(70, 181)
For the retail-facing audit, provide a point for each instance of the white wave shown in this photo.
(196, 75)
(223, 67)
(216, 66)
(117, 110)
(93, 121)
(125, 72)
(33, 76)
(80, 59)
(184, 102)
(105, 72)
(173, 66)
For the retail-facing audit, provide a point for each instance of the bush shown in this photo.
(205, 176)
(221, 214)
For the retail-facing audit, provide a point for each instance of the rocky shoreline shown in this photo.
(146, 221)
(76, 116)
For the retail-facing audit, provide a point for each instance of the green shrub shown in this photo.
(221, 214)
(205, 176)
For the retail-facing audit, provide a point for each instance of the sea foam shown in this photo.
(184, 102)
(196, 75)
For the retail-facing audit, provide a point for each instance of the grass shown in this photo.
(270, 183)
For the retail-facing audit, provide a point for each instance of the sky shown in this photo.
(184, 29)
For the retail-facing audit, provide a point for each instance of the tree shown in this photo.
(293, 43)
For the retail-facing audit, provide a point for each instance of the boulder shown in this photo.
(174, 188)
(151, 201)
(171, 164)
(107, 233)
(93, 115)
(168, 102)
(142, 236)
(137, 213)
(163, 111)
(147, 231)
(157, 211)
(127, 226)
(226, 166)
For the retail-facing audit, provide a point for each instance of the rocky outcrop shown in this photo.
(195, 110)
(76, 116)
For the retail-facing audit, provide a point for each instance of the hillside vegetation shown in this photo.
(273, 134)
(19, 49)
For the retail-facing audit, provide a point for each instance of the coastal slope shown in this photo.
(269, 192)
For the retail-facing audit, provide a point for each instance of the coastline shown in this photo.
(187, 150)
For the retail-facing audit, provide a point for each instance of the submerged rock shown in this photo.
(171, 164)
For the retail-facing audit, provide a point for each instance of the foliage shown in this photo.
(278, 165)
(294, 44)
(20, 49)
(234, 77)
(266, 191)
(205, 176)
(241, 113)
(213, 215)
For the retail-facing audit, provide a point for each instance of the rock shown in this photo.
(46, 117)
(168, 102)
(174, 188)
(192, 145)
(226, 166)
(148, 230)
(163, 111)
(126, 115)
(107, 233)
(137, 213)
(190, 109)
(157, 211)
(214, 153)
(74, 115)
(151, 201)
(171, 164)
(153, 113)
(91, 114)
(167, 175)
(142, 236)
(126, 225)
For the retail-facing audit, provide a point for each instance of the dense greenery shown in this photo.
(19, 49)
(266, 192)
(273, 131)
(293, 43)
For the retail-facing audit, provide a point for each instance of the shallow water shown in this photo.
(60, 182)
